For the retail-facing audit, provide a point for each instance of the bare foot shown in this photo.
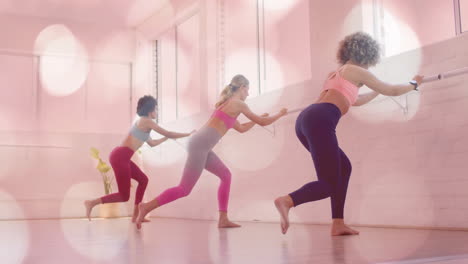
(142, 212)
(135, 215)
(89, 206)
(343, 230)
(227, 224)
(283, 204)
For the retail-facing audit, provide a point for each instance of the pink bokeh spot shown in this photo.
(72, 206)
(15, 234)
(64, 66)
(400, 37)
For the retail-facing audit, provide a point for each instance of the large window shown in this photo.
(167, 76)
(285, 48)
(267, 41)
(461, 11)
(179, 71)
(403, 25)
(254, 38)
(188, 67)
(241, 53)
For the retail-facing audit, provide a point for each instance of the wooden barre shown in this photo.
(446, 75)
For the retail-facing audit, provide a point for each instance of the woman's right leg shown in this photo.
(194, 166)
(333, 172)
(120, 162)
(333, 169)
(339, 227)
(140, 177)
(325, 155)
(216, 166)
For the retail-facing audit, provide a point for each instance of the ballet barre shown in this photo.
(33, 146)
(446, 75)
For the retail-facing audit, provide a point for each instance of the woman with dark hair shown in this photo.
(124, 168)
(315, 127)
(201, 156)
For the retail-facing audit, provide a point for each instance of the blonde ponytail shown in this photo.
(237, 82)
(225, 95)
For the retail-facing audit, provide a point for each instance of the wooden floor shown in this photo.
(176, 241)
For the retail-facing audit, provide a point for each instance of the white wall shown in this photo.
(66, 87)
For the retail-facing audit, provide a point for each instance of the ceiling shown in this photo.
(128, 13)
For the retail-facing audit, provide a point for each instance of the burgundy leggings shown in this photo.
(124, 170)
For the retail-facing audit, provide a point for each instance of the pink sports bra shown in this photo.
(228, 120)
(345, 87)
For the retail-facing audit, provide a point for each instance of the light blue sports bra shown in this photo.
(141, 135)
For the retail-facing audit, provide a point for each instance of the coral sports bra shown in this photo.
(345, 87)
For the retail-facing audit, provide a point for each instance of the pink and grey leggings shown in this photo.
(125, 170)
(200, 156)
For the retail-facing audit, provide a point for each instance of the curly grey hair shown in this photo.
(359, 48)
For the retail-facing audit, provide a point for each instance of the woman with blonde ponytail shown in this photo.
(201, 156)
(237, 82)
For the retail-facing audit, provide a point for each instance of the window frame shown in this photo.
(157, 65)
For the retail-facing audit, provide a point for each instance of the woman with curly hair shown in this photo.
(124, 168)
(315, 127)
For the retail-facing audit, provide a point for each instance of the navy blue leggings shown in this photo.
(315, 128)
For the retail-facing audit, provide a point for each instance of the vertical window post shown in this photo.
(156, 78)
(458, 23)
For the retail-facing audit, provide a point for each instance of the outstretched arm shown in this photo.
(368, 79)
(155, 142)
(166, 133)
(242, 128)
(365, 98)
(261, 120)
